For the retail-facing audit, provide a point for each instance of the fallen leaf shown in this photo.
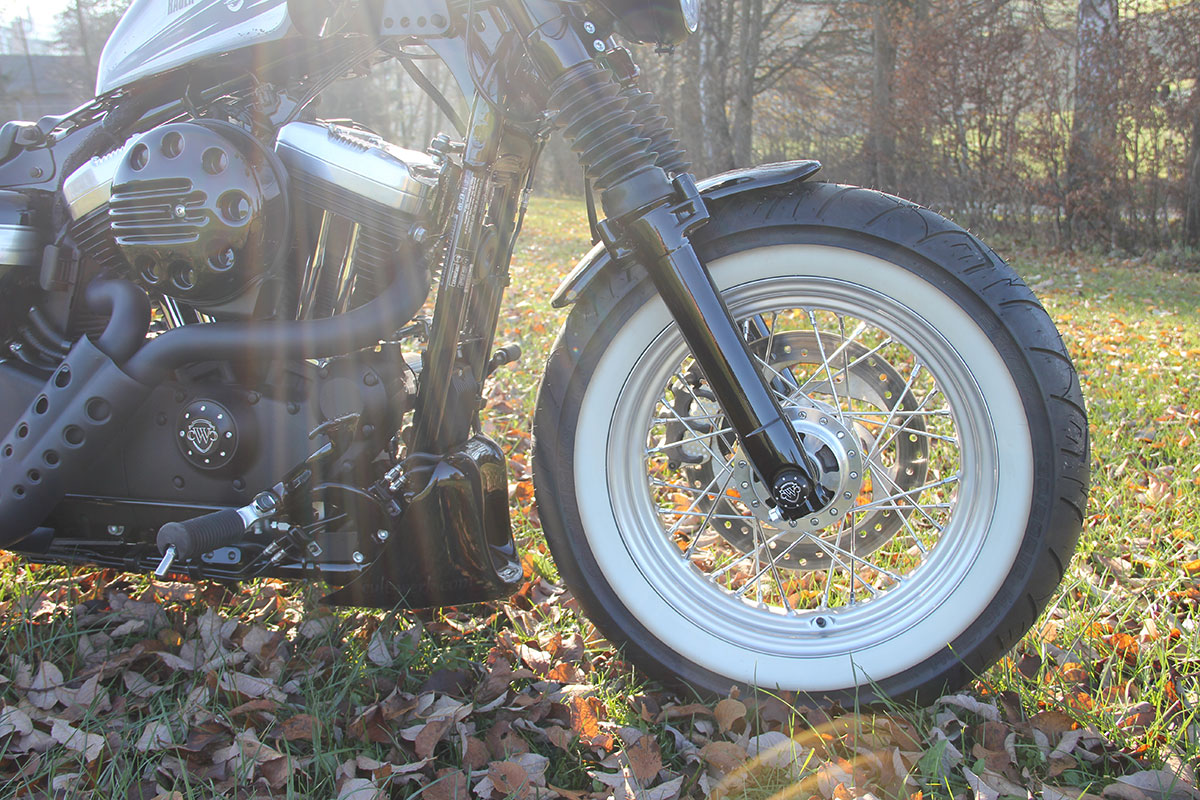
(155, 736)
(378, 651)
(43, 688)
(730, 714)
(510, 779)
(645, 759)
(250, 686)
(449, 784)
(1157, 783)
(560, 737)
(90, 744)
(430, 734)
(585, 721)
(724, 757)
(360, 789)
(778, 751)
(14, 720)
(138, 686)
(301, 727)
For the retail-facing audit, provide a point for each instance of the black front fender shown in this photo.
(736, 181)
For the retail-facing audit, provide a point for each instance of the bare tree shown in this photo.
(1093, 149)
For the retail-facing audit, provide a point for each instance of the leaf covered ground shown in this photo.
(117, 686)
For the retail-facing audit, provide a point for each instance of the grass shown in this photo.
(339, 703)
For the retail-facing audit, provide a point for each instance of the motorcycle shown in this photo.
(793, 435)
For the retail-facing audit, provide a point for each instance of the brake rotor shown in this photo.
(863, 383)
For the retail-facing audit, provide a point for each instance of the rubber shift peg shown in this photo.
(202, 534)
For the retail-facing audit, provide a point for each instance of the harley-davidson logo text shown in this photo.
(202, 434)
(175, 6)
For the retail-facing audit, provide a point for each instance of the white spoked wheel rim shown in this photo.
(869, 622)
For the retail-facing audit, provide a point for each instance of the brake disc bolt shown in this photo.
(815, 521)
(381, 535)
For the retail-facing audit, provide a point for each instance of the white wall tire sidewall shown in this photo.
(795, 665)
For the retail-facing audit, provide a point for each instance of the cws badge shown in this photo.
(202, 434)
(207, 434)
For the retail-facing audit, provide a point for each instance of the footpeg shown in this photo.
(188, 539)
(505, 355)
(194, 537)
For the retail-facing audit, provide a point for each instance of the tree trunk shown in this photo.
(1093, 155)
(1191, 192)
(749, 47)
(881, 141)
(84, 45)
(714, 88)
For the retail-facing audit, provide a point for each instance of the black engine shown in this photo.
(217, 226)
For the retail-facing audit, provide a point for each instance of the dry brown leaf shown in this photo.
(510, 779)
(449, 784)
(778, 751)
(560, 737)
(989, 785)
(250, 686)
(370, 726)
(965, 701)
(90, 744)
(14, 720)
(301, 727)
(475, 753)
(645, 759)
(731, 715)
(277, 771)
(566, 673)
(724, 757)
(1066, 793)
(567, 793)
(585, 713)
(1157, 783)
(138, 686)
(43, 688)
(430, 734)
(155, 736)
(316, 626)
(689, 710)
(86, 695)
(995, 760)
(379, 652)
(1053, 723)
(537, 660)
(360, 789)
(1059, 764)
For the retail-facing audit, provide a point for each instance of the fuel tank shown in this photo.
(155, 36)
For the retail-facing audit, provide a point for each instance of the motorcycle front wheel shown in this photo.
(928, 383)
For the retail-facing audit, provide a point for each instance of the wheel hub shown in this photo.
(837, 453)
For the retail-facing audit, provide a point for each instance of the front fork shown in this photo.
(650, 216)
(658, 237)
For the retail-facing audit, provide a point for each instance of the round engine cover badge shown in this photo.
(207, 434)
